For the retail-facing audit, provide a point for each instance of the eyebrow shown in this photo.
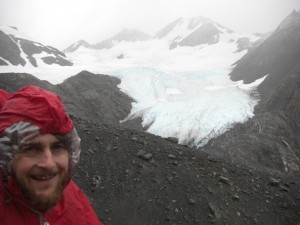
(30, 144)
(38, 143)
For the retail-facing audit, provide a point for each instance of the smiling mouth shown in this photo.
(43, 177)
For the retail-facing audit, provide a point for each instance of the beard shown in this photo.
(39, 200)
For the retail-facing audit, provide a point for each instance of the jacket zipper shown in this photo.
(41, 216)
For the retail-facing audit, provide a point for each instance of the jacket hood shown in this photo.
(38, 107)
(29, 112)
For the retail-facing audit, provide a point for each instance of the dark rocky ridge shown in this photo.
(270, 139)
(95, 97)
(86, 95)
(278, 56)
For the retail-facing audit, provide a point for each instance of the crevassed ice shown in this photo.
(193, 111)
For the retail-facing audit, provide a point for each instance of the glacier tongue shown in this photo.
(192, 106)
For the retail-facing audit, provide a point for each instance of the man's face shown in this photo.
(41, 169)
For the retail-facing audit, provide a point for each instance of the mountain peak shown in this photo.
(192, 31)
(291, 20)
(167, 29)
(76, 45)
(195, 21)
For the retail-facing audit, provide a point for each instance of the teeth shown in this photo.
(43, 177)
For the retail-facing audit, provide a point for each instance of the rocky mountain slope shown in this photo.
(134, 178)
(271, 138)
(86, 95)
(277, 57)
(16, 49)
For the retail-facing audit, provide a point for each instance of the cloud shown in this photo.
(62, 22)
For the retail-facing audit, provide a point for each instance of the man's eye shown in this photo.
(59, 147)
(29, 149)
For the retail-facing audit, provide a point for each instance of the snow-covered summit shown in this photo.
(76, 45)
(181, 32)
(17, 48)
(197, 31)
(127, 35)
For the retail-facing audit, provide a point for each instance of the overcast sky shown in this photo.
(62, 22)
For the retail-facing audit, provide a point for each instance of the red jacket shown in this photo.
(73, 208)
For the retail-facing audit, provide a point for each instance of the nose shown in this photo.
(45, 159)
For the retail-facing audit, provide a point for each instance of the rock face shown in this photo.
(86, 95)
(95, 97)
(278, 56)
(16, 50)
(270, 139)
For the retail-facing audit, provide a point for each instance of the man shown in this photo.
(39, 148)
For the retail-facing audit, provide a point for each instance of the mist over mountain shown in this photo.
(181, 32)
(15, 49)
(199, 30)
(128, 35)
